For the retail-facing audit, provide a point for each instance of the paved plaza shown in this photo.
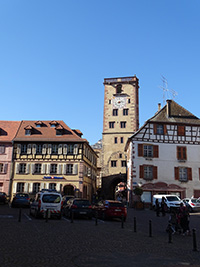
(35, 242)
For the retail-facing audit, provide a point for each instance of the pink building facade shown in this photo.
(8, 130)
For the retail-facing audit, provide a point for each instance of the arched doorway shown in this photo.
(68, 190)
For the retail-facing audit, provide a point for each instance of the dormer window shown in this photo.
(53, 124)
(38, 124)
(59, 129)
(28, 130)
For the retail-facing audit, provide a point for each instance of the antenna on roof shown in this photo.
(167, 93)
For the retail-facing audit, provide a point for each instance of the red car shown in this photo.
(108, 209)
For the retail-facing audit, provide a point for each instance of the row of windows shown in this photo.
(122, 124)
(162, 129)
(36, 187)
(38, 168)
(152, 151)
(149, 172)
(114, 163)
(120, 139)
(128, 101)
(125, 112)
(47, 149)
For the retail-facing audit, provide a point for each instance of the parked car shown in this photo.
(3, 198)
(78, 207)
(108, 209)
(171, 201)
(193, 204)
(21, 200)
(47, 200)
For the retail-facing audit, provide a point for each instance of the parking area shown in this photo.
(37, 242)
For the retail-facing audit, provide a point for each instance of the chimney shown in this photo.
(159, 107)
(168, 108)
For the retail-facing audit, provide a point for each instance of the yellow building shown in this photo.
(50, 155)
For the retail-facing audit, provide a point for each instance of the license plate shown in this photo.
(117, 210)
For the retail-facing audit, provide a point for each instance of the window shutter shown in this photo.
(59, 169)
(26, 187)
(155, 151)
(43, 168)
(44, 149)
(29, 149)
(5, 168)
(49, 149)
(31, 187)
(140, 150)
(75, 149)
(176, 170)
(64, 169)
(42, 185)
(165, 129)
(14, 188)
(48, 168)
(27, 168)
(65, 149)
(32, 168)
(189, 172)
(34, 149)
(155, 173)
(141, 171)
(181, 130)
(60, 149)
(18, 149)
(155, 128)
(17, 168)
(75, 169)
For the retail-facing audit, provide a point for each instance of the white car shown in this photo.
(193, 204)
(172, 201)
(47, 201)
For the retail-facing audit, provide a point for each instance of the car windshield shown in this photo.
(172, 198)
(51, 198)
(82, 203)
(194, 200)
(116, 204)
(22, 196)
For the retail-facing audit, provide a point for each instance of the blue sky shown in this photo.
(55, 55)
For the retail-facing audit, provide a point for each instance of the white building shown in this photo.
(163, 156)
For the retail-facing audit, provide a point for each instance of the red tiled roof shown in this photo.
(8, 130)
(47, 133)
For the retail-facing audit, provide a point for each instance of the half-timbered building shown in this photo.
(163, 156)
(50, 155)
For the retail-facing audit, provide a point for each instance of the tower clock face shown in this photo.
(119, 102)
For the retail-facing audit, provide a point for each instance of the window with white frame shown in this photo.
(23, 148)
(1, 167)
(183, 174)
(52, 186)
(36, 187)
(2, 149)
(148, 172)
(38, 167)
(20, 187)
(69, 169)
(70, 149)
(22, 168)
(55, 149)
(159, 129)
(148, 151)
(39, 149)
(53, 168)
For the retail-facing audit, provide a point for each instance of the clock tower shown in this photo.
(120, 121)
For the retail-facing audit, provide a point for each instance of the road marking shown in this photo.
(29, 218)
(6, 216)
(65, 219)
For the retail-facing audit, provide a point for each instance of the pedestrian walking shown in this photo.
(184, 219)
(163, 206)
(157, 208)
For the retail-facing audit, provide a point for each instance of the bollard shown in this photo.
(134, 225)
(194, 240)
(96, 218)
(47, 211)
(169, 233)
(72, 217)
(20, 215)
(122, 220)
(150, 228)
